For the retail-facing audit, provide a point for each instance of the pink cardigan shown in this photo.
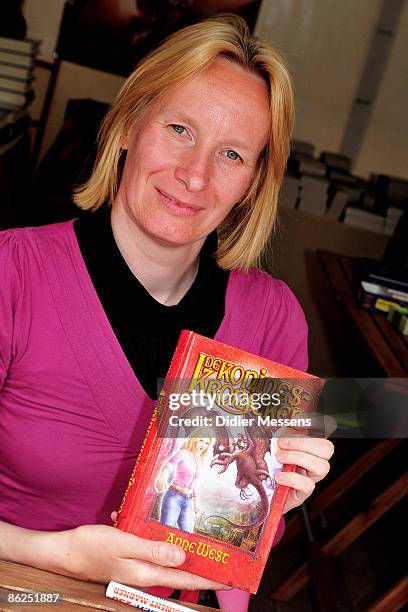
(72, 412)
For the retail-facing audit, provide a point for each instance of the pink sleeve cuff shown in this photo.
(236, 600)
(233, 601)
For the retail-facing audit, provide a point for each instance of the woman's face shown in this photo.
(194, 156)
(202, 445)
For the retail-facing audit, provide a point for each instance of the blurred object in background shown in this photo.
(113, 35)
(12, 22)
(67, 163)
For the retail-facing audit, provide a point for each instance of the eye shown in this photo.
(179, 129)
(233, 155)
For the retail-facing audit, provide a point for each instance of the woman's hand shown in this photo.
(100, 553)
(311, 455)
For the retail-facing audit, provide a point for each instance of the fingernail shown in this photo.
(176, 555)
(283, 441)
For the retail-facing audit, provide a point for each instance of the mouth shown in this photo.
(176, 205)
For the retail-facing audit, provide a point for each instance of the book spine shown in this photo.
(125, 509)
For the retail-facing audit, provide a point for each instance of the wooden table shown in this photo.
(386, 344)
(76, 594)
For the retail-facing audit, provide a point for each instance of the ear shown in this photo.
(124, 143)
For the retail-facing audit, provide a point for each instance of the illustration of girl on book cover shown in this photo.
(180, 476)
(196, 497)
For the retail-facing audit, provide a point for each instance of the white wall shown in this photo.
(385, 147)
(43, 18)
(326, 44)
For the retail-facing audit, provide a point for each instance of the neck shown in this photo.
(166, 271)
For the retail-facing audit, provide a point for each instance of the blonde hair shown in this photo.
(245, 231)
(190, 444)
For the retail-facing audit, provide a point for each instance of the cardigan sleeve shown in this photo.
(10, 292)
(289, 333)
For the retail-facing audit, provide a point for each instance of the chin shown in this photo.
(174, 236)
(173, 241)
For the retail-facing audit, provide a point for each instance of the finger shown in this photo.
(159, 553)
(298, 482)
(114, 515)
(321, 425)
(315, 446)
(318, 468)
(148, 574)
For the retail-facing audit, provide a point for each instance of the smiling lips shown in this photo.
(176, 205)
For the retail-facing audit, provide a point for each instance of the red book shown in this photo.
(204, 478)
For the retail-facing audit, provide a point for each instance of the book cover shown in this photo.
(205, 476)
(378, 298)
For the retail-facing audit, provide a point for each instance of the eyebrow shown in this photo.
(186, 119)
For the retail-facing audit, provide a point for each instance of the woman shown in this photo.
(90, 311)
(181, 500)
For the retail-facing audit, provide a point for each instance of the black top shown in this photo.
(147, 330)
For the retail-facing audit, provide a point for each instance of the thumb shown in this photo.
(160, 553)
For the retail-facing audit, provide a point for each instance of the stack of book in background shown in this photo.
(395, 193)
(380, 206)
(365, 213)
(16, 77)
(326, 187)
(381, 288)
(16, 72)
(398, 317)
(306, 185)
(289, 196)
(302, 147)
(313, 197)
(338, 166)
(290, 191)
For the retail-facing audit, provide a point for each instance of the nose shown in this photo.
(193, 170)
